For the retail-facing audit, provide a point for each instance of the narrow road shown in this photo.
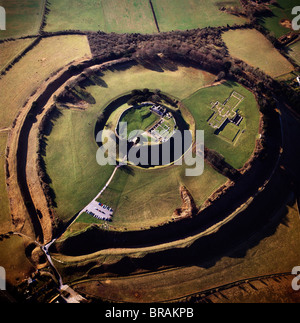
(5, 130)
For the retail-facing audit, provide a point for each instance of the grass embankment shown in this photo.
(15, 89)
(252, 47)
(5, 219)
(23, 18)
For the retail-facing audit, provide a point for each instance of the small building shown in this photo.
(159, 110)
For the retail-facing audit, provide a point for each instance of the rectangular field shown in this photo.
(136, 16)
(121, 16)
(10, 50)
(190, 14)
(230, 132)
(256, 50)
(295, 52)
(75, 14)
(23, 17)
(128, 16)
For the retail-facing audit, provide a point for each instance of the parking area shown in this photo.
(99, 211)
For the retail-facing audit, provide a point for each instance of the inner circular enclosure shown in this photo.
(156, 134)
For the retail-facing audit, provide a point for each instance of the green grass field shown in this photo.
(199, 105)
(131, 16)
(252, 47)
(47, 57)
(128, 16)
(122, 16)
(190, 14)
(76, 176)
(144, 198)
(295, 52)
(139, 119)
(23, 17)
(180, 83)
(282, 11)
(230, 132)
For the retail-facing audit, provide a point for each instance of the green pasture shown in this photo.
(139, 119)
(122, 16)
(179, 83)
(281, 10)
(128, 16)
(23, 17)
(294, 52)
(76, 176)
(252, 47)
(230, 132)
(144, 198)
(190, 14)
(136, 16)
(199, 105)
